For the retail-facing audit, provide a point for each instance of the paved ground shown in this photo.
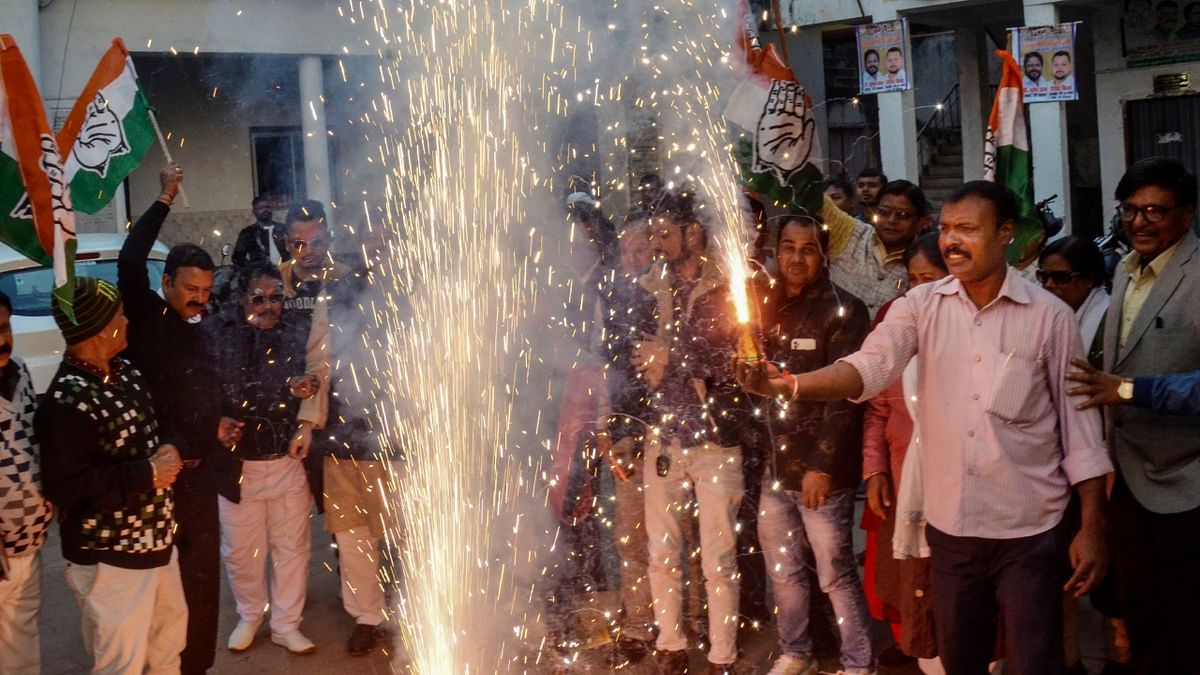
(327, 625)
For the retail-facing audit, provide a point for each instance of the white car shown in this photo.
(36, 337)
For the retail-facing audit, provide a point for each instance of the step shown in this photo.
(936, 170)
(944, 158)
(931, 183)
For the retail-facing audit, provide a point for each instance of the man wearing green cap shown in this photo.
(106, 468)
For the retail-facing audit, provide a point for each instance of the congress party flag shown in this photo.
(35, 204)
(1006, 158)
(107, 132)
(779, 150)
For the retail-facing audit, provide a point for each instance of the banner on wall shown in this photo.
(1158, 32)
(1047, 58)
(883, 57)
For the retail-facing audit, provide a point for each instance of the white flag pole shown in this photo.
(162, 142)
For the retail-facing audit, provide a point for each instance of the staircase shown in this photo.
(944, 171)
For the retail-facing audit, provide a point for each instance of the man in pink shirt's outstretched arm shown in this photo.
(1002, 443)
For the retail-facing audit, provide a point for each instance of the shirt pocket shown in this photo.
(1018, 394)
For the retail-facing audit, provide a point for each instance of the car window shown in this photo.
(30, 288)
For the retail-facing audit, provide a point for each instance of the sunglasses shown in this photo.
(1152, 214)
(1059, 278)
(300, 244)
(274, 299)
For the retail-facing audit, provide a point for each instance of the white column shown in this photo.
(972, 92)
(316, 135)
(1048, 130)
(898, 123)
(806, 51)
(20, 19)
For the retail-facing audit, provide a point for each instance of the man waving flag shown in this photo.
(35, 203)
(107, 132)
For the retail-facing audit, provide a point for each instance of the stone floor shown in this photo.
(327, 625)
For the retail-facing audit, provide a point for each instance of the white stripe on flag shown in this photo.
(1012, 121)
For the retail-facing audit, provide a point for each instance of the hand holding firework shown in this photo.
(761, 377)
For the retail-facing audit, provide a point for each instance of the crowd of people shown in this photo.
(177, 437)
(1023, 442)
(890, 352)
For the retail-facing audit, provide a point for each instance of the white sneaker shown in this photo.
(294, 642)
(793, 665)
(243, 635)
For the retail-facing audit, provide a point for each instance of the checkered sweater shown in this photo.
(25, 514)
(97, 435)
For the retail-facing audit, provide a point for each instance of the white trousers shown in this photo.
(363, 595)
(134, 621)
(20, 604)
(715, 473)
(271, 519)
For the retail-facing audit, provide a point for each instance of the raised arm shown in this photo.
(132, 275)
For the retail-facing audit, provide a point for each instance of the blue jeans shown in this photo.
(793, 538)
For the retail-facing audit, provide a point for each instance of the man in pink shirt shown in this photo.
(1001, 442)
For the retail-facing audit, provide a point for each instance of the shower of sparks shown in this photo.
(473, 94)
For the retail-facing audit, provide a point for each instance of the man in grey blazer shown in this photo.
(1153, 328)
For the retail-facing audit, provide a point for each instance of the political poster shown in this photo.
(883, 56)
(1047, 58)
(1163, 31)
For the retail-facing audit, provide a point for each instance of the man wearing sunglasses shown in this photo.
(1153, 328)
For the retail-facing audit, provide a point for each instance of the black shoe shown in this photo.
(365, 638)
(672, 663)
(627, 651)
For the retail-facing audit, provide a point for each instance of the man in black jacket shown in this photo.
(264, 240)
(109, 473)
(168, 346)
(807, 503)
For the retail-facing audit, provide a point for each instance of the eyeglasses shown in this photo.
(1059, 278)
(274, 299)
(1152, 213)
(884, 213)
(300, 244)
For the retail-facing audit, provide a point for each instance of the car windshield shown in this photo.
(30, 288)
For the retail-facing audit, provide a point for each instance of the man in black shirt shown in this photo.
(168, 346)
(262, 241)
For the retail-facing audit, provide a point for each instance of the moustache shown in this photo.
(959, 251)
(6, 349)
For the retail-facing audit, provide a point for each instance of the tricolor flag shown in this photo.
(35, 205)
(778, 149)
(107, 132)
(1006, 158)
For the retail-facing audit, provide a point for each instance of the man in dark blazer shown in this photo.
(263, 241)
(1153, 328)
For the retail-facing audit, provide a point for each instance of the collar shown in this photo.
(1133, 262)
(1014, 288)
(116, 366)
(881, 253)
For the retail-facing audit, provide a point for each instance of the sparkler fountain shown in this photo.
(477, 87)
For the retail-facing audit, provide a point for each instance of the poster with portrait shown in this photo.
(1047, 58)
(1155, 32)
(883, 57)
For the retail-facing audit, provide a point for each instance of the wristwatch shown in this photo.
(1125, 390)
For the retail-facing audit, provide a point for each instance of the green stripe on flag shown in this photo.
(18, 233)
(1012, 171)
(90, 191)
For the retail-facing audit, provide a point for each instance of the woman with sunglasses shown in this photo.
(265, 499)
(1073, 269)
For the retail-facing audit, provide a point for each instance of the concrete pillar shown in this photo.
(1048, 129)
(807, 52)
(21, 21)
(898, 123)
(973, 106)
(315, 132)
